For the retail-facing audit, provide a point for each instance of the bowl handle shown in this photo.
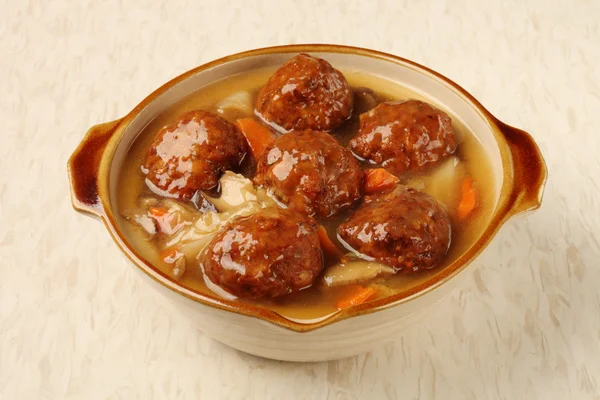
(83, 168)
(529, 170)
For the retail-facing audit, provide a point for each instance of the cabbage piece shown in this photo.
(443, 183)
(237, 190)
(189, 230)
(192, 240)
(238, 198)
(178, 215)
(238, 101)
(184, 212)
(140, 219)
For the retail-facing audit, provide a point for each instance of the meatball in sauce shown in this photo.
(305, 93)
(268, 254)
(191, 153)
(403, 228)
(404, 136)
(311, 172)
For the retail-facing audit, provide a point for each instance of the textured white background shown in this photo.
(75, 322)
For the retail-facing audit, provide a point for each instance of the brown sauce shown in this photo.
(318, 300)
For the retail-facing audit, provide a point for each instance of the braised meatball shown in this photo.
(190, 154)
(403, 228)
(311, 172)
(305, 93)
(404, 136)
(268, 254)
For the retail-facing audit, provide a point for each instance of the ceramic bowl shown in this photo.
(518, 168)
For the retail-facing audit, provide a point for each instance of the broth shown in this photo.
(317, 301)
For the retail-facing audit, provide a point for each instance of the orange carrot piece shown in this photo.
(469, 199)
(327, 244)
(378, 179)
(357, 296)
(257, 135)
(158, 212)
(168, 254)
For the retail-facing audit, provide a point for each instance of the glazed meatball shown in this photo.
(268, 254)
(404, 136)
(190, 154)
(305, 93)
(311, 172)
(403, 228)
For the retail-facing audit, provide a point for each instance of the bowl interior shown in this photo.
(428, 85)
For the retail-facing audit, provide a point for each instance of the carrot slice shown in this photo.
(469, 199)
(257, 135)
(327, 244)
(158, 211)
(356, 296)
(170, 254)
(378, 179)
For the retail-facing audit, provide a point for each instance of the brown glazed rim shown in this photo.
(523, 166)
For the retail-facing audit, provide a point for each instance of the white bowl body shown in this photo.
(345, 338)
